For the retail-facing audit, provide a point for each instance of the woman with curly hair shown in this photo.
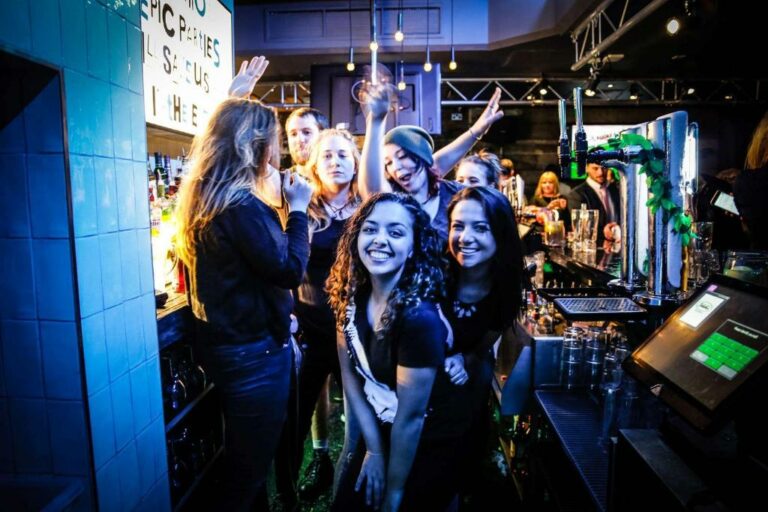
(242, 266)
(481, 169)
(484, 294)
(384, 288)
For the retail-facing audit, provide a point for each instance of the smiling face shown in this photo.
(385, 240)
(335, 163)
(472, 174)
(597, 173)
(302, 133)
(470, 240)
(547, 187)
(401, 168)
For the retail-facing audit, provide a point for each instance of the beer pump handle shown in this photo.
(580, 139)
(563, 149)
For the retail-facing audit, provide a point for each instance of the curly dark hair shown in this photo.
(422, 277)
(507, 265)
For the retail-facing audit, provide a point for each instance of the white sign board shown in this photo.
(600, 133)
(187, 61)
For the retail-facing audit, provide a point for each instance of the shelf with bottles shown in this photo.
(185, 382)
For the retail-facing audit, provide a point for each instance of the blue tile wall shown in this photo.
(17, 284)
(22, 363)
(53, 279)
(97, 45)
(61, 360)
(14, 201)
(83, 193)
(31, 446)
(69, 443)
(48, 195)
(46, 30)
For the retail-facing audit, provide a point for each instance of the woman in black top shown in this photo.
(483, 300)
(384, 288)
(751, 188)
(242, 266)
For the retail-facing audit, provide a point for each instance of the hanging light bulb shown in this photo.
(428, 62)
(351, 61)
(374, 46)
(399, 35)
(401, 82)
(452, 65)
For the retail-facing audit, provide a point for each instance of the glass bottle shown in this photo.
(175, 390)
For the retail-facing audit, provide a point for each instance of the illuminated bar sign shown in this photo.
(187, 61)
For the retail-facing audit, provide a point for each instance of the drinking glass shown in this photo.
(747, 266)
(571, 358)
(703, 239)
(589, 220)
(554, 233)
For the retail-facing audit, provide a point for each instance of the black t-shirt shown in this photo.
(471, 322)
(417, 341)
(315, 316)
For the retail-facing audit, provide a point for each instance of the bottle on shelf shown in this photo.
(159, 170)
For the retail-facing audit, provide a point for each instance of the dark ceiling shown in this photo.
(719, 39)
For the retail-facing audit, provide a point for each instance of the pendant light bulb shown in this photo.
(453, 65)
(399, 36)
(427, 66)
(351, 62)
(374, 46)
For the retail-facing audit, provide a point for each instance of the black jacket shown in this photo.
(244, 270)
(584, 194)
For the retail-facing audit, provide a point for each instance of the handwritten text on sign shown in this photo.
(187, 61)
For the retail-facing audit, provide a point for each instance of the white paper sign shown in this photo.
(187, 61)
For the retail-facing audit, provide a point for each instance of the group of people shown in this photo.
(400, 280)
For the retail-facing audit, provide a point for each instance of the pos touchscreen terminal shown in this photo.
(705, 357)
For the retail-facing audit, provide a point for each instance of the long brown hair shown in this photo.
(757, 153)
(318, 215)
(421, 280)
(228, 159)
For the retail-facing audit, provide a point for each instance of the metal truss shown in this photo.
(599, 31)
(527, 91)
(621, 91)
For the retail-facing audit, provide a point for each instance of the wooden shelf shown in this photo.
(199, 478)
(187, 408)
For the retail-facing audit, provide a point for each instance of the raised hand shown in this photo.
(490, 115)
(245, 79)
(298, 192)
(377, 99)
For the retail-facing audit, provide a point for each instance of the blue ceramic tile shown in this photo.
(84, 198)
(102, 427)
(98, 40)
(140, 396)
(75, 40)
(108, 487)
(111, 276)
(134, 333)
(53, 279)
(17, 288)
(21, 359)
(138, 127)
(129, 264)
(130, 488)
(155, 387)
(61, 360)
(122, 409)
(80, 123)
(31, 444)
(157, 428)
(145, 447)
(121, 122)
(118, 50)
(140, 183)
(149, 323)
(90, 290)
(14, 24)
(134, 39)
(101, 112)
(69, 444)
(95, 353)
(106, 192)
(6, 438)
(46, 30)
(48, 195)
(159, 498)
(12, 138)
(146, 279)
(42, 120)
(125, 194)
(117, 348)
(14, 206)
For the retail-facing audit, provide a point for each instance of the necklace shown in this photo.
(463, 310)
(337, 211)
(428, 199)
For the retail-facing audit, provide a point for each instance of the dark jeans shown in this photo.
(252, 380)
(319, 360)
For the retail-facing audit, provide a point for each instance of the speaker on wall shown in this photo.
(332, 88)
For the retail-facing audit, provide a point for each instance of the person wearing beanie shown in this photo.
(404, 159)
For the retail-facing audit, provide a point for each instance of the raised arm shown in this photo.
(244, 81)
(414, 385)
(446, 158)
(372, 179)
(373, 469)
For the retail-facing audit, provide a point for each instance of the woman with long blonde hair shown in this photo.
(242, 265)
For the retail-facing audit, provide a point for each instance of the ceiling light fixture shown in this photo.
(591, 88)
(401, 82)
(399, 35)
(543, 87)
(634, 92)
(351, 61)
(374, 46)
(428, 62)
(452, 65)
(673, 26)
